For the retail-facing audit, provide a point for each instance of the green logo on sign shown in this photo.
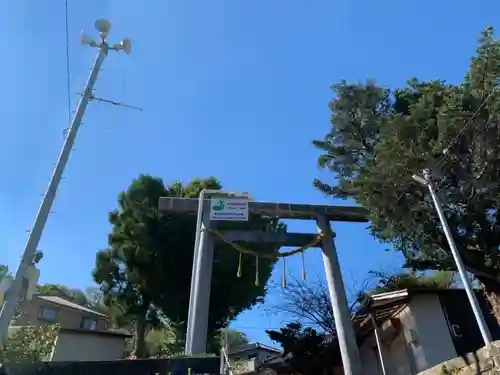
(219, 207)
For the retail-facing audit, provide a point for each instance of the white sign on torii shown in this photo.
(225, 209)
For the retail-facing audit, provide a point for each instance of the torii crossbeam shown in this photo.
(202, 266)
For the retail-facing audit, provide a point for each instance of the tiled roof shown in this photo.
(64, 302)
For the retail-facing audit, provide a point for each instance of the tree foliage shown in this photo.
(29, 344)
(4, 271)
(150, 255)
(161, 343)
(387, 282)
(302, 348)
(91, 297)
(233, 340)
(380, 138)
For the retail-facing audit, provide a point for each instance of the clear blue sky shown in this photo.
(233, 89)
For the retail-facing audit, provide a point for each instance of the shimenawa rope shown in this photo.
(273, 256)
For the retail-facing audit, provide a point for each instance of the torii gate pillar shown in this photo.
(203, 264)
(338, 299)
(196, 340)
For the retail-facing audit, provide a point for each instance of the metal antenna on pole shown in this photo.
(11, 301)
(118, 104)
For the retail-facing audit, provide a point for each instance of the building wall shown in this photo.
(423, 342)
(88, 346)
(244, 364)
(405, 355)
(66, 317)
(398, 356)
(435, 343)
(260, 353)
(369, 357)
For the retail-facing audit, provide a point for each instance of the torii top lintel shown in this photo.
(281, 210)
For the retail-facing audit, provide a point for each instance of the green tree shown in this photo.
(150, 257)
(75, 295)
(4, 271)
(90, 298)
(29, 344)
(160, 343)
(233, 340)
(380, 137)
(387, 282)
(302, 348)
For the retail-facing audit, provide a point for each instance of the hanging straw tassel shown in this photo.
(283, 278)
(257, 270)
(303, 267)
(239, 265)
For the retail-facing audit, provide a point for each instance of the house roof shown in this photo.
(68, 304)
(99, 333)
(85, 332)
(254, 346)
(383, 306)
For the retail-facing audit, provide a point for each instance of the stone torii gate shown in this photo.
(202, 267)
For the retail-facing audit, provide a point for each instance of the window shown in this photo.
(48, 314)
(89, 324)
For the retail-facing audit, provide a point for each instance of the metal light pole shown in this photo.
(195, 306)
(483, 328)
(9, 306)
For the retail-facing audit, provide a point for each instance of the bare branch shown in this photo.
(309, 303)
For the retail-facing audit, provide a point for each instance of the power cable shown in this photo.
(446, 151)
(466, 125)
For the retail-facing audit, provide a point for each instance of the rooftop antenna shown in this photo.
(9, 307)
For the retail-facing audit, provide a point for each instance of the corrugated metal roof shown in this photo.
(64, 302)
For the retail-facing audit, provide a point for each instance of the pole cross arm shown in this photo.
(261, 237)
(273, 209)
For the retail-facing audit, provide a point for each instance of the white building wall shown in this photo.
(433, 343)
(399, 358)
(74, 346)
(242, 364)
(424, 341)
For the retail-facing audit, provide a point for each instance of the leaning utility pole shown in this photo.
(9, 306)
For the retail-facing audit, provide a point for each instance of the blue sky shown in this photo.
(252, 76)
